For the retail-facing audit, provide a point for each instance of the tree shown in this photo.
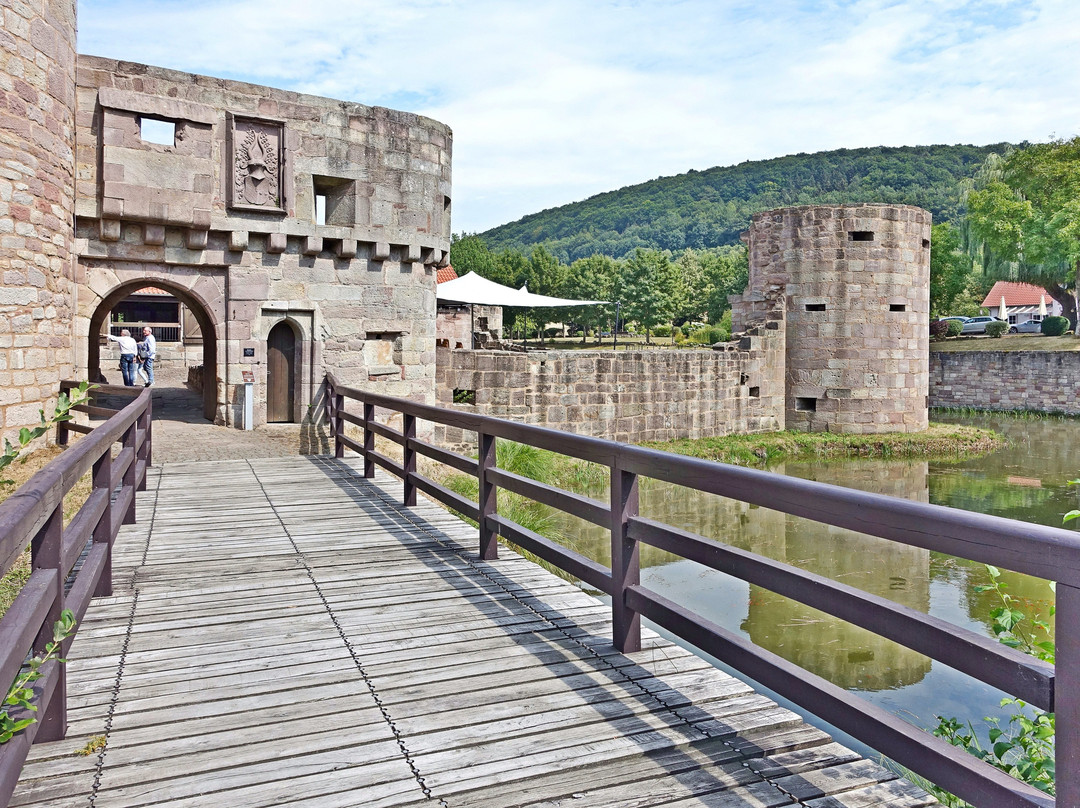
(649, 288)
(1025, 210)
(593, 278)
(726, 272)
(950, 269)
(471, 254)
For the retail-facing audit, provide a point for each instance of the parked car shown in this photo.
(956, 317)
(1026, 327)
(977, 325)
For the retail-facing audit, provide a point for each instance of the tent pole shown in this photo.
(472, 327)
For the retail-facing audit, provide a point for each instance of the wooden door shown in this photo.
(280, 373)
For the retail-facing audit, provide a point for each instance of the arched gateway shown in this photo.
(208, 321)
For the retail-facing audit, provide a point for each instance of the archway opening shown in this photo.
(180, 321)
(282, 364)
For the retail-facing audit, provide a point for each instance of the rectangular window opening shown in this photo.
(815, 307)
(861, 235)
(926, 243)
(155, 130)
(755, 392)
(338, 201)
(897, 307)
(805, 404)
(464, 396)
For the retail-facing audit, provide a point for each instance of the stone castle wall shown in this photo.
(223, 215)
(854, 282)
(628, 396)
(37, 179)
(1046, 381)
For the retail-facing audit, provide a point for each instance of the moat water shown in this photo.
(1026, 480)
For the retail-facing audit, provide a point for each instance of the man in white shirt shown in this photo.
(128, 350)
(147, 354)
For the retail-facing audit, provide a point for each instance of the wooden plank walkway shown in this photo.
(283, 633)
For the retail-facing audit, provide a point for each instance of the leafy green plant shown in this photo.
(955, 328)
(1024, 746)
(21, 692)
(61, 412)
(1054, 326)
(996, 328)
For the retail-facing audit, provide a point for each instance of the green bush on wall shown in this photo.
(996, 328)
(955, 327)
(1054, 326)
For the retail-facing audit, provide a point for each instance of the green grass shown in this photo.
(1008, 343)
(771, 447)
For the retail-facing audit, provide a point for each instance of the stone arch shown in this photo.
(202, 311)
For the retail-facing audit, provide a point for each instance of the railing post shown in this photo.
(1067, 695)
(369, 440)
(130, 480)
(338, 422)
(102, 480)
(489, 539)
(625, 561)
(144, 454)
(46, 555)
(409, 432)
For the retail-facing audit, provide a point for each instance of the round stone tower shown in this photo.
(854, 283)
(37, 191)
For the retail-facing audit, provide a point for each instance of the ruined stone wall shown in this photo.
(628, 396)
(455, 325)
(1046, 381)
(37, 170)
(854, 283)
(225, 215)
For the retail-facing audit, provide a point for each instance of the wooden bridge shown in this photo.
(290, 633)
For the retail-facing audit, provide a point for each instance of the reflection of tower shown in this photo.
(840, 652)
(37, 206)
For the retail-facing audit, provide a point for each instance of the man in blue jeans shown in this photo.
(147, 354)
(127, 356)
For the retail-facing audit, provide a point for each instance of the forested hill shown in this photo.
(710, 208)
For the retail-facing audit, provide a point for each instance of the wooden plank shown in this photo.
(297, 661)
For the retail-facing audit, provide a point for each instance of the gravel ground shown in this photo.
(182, 434)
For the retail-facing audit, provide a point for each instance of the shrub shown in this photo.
(1054, 326)
(996, 328)
(955, 328)
(939, 329)
(662, 331)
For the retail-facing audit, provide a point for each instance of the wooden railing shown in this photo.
(1046, 552)
(34, 516)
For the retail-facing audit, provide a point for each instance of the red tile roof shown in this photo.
(445, 274)
(149, 290)
(1016, 294)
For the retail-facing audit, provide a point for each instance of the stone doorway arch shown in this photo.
(201, 312)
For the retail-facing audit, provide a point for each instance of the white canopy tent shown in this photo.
(472, 289)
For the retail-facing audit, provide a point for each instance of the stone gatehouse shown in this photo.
(302, 233)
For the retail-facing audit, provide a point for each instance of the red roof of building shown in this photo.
(150, 290)
(445, 274)
(1016, 294)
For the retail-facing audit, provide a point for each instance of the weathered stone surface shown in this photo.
(854, 284)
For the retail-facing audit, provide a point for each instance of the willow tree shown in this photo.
(1024, 213)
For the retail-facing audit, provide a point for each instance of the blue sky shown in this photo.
(552, 101)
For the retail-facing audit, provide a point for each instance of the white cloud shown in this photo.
(554, 100)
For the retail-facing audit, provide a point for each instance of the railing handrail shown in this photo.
(34, 515)
(1040, 550)
(1046, 552)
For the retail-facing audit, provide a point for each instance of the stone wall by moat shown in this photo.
(1045, 381)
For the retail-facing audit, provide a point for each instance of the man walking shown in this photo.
(147, 354)
(127, 356)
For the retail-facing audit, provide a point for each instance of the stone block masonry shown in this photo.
(1044, 381)
(629, 396)
(37, 184)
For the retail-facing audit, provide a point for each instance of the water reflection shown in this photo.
(1026, 481)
